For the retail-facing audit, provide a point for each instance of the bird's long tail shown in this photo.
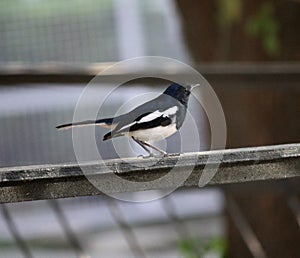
(106, 122)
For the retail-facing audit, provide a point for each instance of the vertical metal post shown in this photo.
(15, 233)
(127, 231)
(71, 236)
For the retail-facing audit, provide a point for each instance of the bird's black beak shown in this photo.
(192, 86)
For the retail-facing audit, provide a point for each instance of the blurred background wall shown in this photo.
(249, 52)
(258, 111)
(242, 30)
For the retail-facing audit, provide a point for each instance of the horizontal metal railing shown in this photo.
(67, 180)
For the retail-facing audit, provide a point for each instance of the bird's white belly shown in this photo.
(154, 134)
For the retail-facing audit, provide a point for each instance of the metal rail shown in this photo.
(281, 74)
(67, 180)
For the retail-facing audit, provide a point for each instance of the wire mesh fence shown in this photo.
(87, 31)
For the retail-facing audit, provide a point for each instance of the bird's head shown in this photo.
(180, 92)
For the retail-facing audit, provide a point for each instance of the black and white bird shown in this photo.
(154, 120)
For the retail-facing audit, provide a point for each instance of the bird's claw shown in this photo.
(174, 154)
(147, 156)
(151, 155)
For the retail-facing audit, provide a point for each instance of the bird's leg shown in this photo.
(155, 148)
(143, 146)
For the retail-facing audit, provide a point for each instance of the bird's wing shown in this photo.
(156, 112)
(138, 125)
(148, 120)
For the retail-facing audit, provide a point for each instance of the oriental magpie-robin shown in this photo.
(154, 120)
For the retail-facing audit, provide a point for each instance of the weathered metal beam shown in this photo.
(232, 72)
(67, 180)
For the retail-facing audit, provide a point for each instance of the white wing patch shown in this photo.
(169, 112)
(126, 126)
(150, 117)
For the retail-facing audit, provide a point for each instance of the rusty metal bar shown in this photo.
(279, 74)
(67, 180)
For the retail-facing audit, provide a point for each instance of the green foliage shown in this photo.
(189, 248)
(219, 246)
(229, 12)
(265, 26)
(194, 248)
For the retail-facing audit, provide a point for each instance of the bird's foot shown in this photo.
(161, 154)
(174, 154)
(146, 156)
(152, 155)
